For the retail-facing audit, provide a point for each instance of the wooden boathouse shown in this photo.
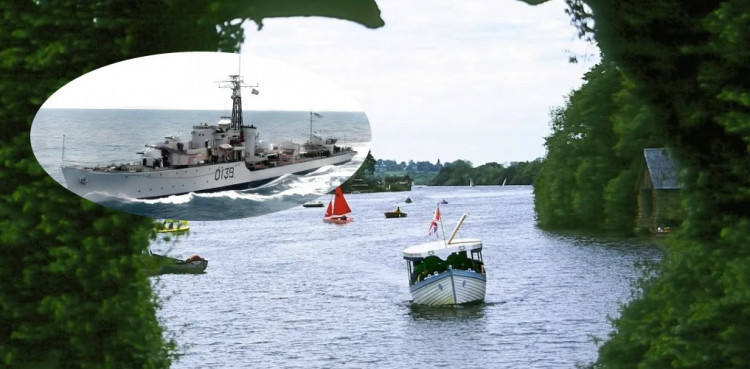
(659, 193)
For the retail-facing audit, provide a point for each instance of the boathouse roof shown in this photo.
(662, 168)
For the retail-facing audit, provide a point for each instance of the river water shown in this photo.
(286, 290)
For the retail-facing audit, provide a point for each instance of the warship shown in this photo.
(224, 156)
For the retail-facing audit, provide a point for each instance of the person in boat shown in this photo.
(422, 275)
(421, 270)
(416, 275)
(195, 257)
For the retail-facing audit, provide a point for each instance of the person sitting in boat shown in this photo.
(421, 271)
(418, 269)
(195, 257)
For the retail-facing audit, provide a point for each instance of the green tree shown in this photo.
(553, 187)
(75, 293)
(455, 174)
(595, 148)
(688, 62)
(459, 173)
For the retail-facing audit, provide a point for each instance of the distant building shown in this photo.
(659, 193)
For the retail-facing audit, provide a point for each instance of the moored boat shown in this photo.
(169, 265)
(224, 156)
(398, 213)
(313, 204)
(338, 209)
(174, 226)
(446, 272)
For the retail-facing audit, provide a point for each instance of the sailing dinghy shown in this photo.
(338, 209)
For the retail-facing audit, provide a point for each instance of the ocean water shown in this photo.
(286, 290)
(99, 137)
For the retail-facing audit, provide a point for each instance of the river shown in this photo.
(286, 290)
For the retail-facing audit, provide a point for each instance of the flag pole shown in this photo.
(441, 225)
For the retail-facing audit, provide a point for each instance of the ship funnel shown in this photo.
(250, 133)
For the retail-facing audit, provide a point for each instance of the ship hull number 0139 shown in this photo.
(224, 173)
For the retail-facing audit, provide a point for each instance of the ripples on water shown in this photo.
(287, 291)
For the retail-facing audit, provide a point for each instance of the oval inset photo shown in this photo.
(200, 136)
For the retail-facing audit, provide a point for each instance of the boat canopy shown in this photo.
(439, 248)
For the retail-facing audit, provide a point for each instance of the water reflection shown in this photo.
(473, 311)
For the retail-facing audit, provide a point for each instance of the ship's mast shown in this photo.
(236, 102)
(311, 122)
(235, 83)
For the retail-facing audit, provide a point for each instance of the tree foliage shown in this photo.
(461, 172)
(594, 155)
(74, 291)
(688, 61)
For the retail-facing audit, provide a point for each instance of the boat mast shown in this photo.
(235, 83)
(311, 121)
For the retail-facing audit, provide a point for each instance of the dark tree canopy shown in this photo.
(688, 61)
(595, 155)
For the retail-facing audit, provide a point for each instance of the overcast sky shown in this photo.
(448, 80)
(444, 80)
(192, 81)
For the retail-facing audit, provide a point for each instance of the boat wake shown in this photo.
(279, 194)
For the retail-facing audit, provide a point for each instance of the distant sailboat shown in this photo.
(337, 209)
(471, 182)
(504, 181)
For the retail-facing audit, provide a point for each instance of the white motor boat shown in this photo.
(446, 272)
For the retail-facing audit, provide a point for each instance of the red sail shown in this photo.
(340, 207)
(329, 210)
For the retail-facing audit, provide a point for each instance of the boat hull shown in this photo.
(100, 185)
(184, 267)
(338, 220)
(451, 287)
(174, 230)
(393, 214)
(169, 265)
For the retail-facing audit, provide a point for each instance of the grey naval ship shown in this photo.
(224, 156)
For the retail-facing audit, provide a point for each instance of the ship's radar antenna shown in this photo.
(236, 83)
